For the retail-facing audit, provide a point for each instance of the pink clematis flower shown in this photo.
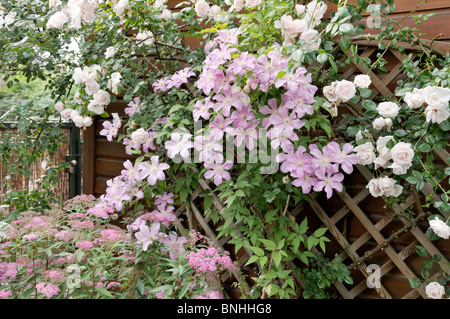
(328, 180)
(147, 235)
(179, 145)
(218, 171)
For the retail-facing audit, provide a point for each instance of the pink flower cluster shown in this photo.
(208, 260)
(7, 271)
(48, 289)
(101, 211)
(319, 170)
(180, 77)
(126, 186)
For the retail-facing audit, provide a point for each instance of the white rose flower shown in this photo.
(110, 52)
(311, 38)
(345, 90)
(166, 14)
(300, 9)
(388, 109)
(366, 153)
(78, 121)
(390, 187)
(87, 121)
(384, 186)
(379, 123)
(362, 81)
(437, 114)
(91, 87)
(252, 3)
(96, 108)
(119, 7)
(77, 97)
(330, 93)
(57, 20)
(435, 95)
(374, 187)
(384, 153)
(440, 228)
(59, 106)
(77, 72)
(434, 290)
(114, 82)
(202, 8)
(402, 154)
(139, 136)
(66, 114)
(414, 99)
(9, 19)
(147, 37)
(89, 13)
(102, 97)
(239, 5)
(90, 73)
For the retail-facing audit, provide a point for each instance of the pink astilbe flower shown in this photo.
(55, 276)
(208, 260)
(7, 271)
(5, 294)
(47, 289)
(84, 244)
(111, 236)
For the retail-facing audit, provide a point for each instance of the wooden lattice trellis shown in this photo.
(378, 242)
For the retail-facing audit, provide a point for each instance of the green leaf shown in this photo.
(303, 226)
(425, 147)
(415, 282)
(445, 126)
(104, 292)
(369, 105)
(252, 259)
(322, 58)
(319, 232)
(268, 243)
(345, 43)
(208, 202)
(365, 93)
(421, 251)
(258, 251)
